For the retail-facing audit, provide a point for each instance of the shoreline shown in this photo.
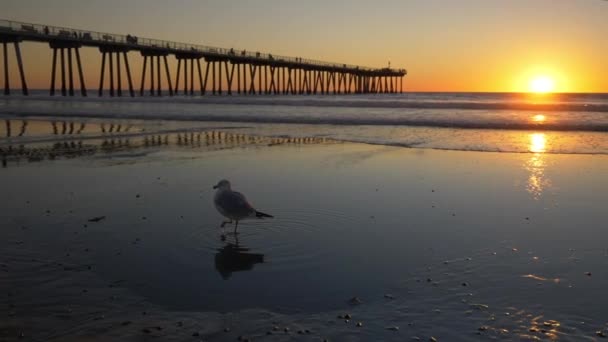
(448, 244)
(498, 141)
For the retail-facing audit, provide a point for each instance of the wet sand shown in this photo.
(114, 236)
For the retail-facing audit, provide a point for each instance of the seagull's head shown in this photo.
(223, 184)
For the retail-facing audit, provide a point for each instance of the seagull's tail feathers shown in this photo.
(260, 214)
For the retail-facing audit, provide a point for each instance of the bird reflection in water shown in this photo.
(234, 258)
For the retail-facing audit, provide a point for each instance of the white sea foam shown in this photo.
(462, 121)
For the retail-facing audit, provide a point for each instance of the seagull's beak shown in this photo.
(215, 187)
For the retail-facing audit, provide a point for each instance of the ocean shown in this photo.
(491, 122)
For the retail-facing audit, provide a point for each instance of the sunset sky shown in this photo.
(473, 45)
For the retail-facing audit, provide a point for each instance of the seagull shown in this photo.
(233, 205)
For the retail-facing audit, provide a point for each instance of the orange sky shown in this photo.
(474, 45)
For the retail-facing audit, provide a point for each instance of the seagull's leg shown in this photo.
(223, 236)
(236, 226)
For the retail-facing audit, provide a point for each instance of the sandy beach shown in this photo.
(116, 237)
(323, 171)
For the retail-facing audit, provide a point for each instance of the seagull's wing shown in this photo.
(234, 205)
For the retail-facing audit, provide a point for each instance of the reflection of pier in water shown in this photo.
(57, 127)
(108, 138)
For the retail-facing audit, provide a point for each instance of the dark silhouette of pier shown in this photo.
(243, 72)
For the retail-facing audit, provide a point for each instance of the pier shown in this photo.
(240, 71)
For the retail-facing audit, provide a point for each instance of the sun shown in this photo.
(542, 85)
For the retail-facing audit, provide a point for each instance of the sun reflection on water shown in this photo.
(538, 142)
(539, 118)
(536, 165)
(549, 329)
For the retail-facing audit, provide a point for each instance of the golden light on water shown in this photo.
(542, 85)
(538, 143)
(536, 165)
(539, 118)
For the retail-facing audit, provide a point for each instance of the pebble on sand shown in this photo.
(359, 324)
(355, 301)
(97, 219)
(479, 306)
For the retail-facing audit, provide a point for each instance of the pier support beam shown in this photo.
(21, 72)
(156, 58)
(16, 41)
(66, 63)
(229, 76)
(128, 70)
(204, 86)
(112, 55)
(189, 74)
(7, 87)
